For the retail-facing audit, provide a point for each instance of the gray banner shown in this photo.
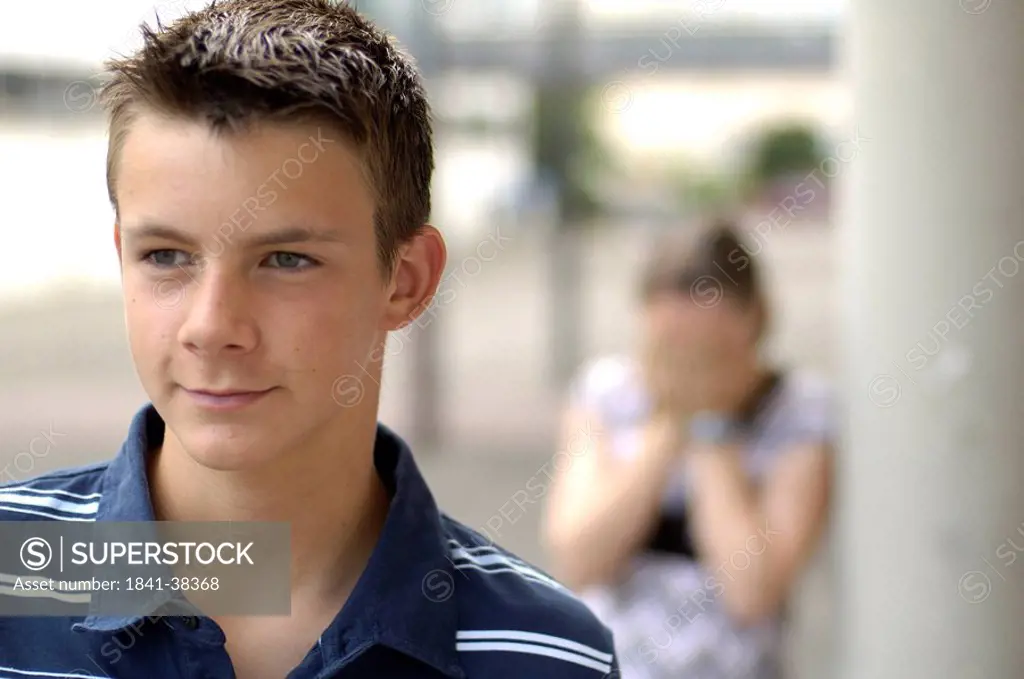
(78, 568)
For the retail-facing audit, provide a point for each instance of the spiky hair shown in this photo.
(238, 62)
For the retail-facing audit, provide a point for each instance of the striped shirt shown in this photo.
(667, 614)
(437, 598)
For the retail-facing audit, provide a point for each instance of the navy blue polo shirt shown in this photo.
(437, 599)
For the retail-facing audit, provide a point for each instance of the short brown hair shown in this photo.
(714, 256)
(238, 62)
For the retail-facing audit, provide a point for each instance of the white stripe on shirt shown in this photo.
(525, 575)
(56, 675)
(463, 560)
(81, 508)
(49, 515)
(533, 649)
(50, 491)
(517, 635)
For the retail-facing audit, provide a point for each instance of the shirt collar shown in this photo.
(403, 599)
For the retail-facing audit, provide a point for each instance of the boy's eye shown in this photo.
(289, 260)
(167, 258)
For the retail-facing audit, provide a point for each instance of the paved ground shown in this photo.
(64, 365)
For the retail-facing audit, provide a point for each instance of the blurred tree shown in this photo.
(567, 150)
(780, 152)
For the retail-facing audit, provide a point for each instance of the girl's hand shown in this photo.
(686, 374)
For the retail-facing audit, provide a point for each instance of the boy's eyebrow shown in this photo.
(291, 234)
(149, 230)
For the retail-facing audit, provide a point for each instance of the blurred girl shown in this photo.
(706, 491)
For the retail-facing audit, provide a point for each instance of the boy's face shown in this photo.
(251, 284)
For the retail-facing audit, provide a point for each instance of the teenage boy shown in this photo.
(269, 166)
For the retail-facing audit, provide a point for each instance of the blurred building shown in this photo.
(691, 79)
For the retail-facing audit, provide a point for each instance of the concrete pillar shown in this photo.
(931, 499)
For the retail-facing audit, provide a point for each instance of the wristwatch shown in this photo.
(713, 428)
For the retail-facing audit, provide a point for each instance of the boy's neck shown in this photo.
(333, 499)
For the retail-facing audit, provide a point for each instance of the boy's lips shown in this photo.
(226, 399)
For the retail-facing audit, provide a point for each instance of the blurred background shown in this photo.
(569, 133)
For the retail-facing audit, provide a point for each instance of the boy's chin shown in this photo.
(215, 449)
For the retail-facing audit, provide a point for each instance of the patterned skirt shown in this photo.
(669, 623)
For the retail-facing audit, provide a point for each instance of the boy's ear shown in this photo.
(418, 269)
